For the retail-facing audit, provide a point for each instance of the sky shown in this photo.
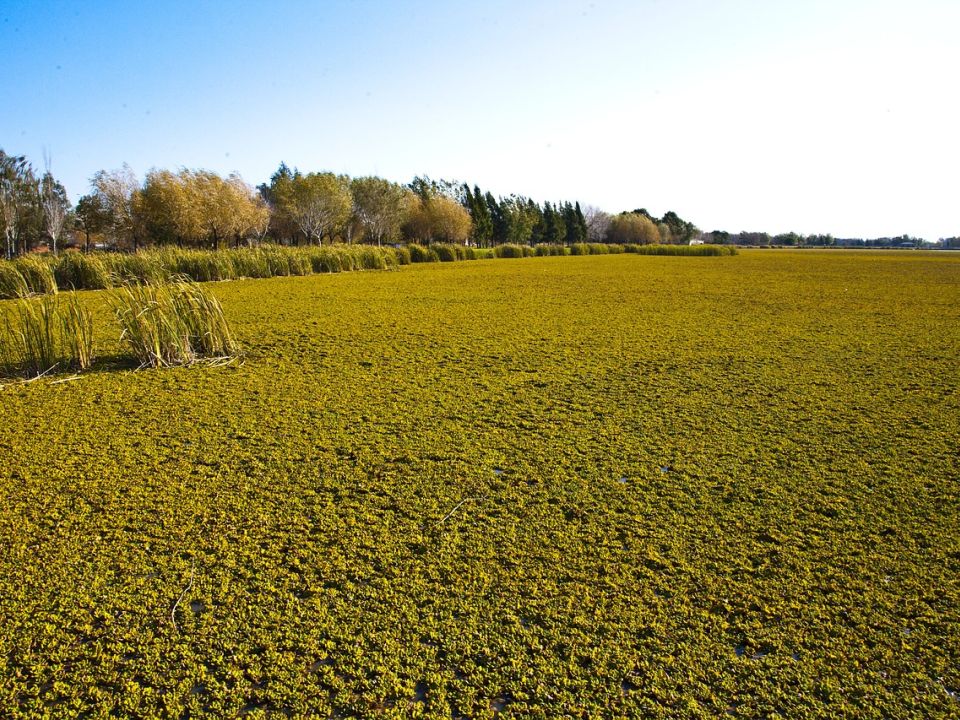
(836, 116)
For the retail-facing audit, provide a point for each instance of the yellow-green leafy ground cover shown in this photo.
(606, 486)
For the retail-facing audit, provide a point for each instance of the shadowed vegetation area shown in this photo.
(604, 486)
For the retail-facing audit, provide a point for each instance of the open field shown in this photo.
(605, 486)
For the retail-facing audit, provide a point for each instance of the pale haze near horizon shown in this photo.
(813, 117)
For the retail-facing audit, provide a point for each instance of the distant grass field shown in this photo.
(605, 486)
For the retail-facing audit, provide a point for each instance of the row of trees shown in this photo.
(200, 208)
(32, 205)
(791, 239)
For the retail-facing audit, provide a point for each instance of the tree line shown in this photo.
(200, 208)
(791, 239)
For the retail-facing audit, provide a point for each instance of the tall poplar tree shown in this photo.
(480, 214)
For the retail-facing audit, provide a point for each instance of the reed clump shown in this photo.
(12, 284)
(38, 274)
(509, 251)
(81, 272)
(42, 334)
(172, 323)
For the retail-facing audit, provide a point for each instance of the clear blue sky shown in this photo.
(811, 116)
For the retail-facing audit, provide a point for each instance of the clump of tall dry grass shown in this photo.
(173, 323)
(12, 283)
(39, 335)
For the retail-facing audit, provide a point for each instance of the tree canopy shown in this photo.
(196, 207)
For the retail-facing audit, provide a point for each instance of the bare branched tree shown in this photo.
(598, 223)
(259, 218)
(320, 203)
(116, 190)
(53, 202)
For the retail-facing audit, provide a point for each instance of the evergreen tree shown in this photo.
(555, 230)
(548, 224)
(680, 230)
(480, 213)
(581, 223)
(573, 220)
(498, 219)
(539, 232)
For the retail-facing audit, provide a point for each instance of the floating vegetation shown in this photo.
(319, 532)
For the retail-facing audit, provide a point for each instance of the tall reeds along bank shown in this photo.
(12, 284)
(173, 323)
(39, 335)
(681, 250)
(509, 250)
(142, 267)
(37, 272)
(544, 249)
(39, 275)
(448, 252)
(81, 272)
(422, 254)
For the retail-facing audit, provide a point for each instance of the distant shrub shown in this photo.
(373, 258)
(81, 272)
(579, 249)
(12, 284)
(37, 273)
(613, 248)
(508, 250)
(346, 257)
(175, 323)
(543, 249)
(445, 252)
(682, 250)
(421, 254)
(403, 255)
(714, 250)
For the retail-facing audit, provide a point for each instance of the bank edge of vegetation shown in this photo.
(43, 274)
(166, 319)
